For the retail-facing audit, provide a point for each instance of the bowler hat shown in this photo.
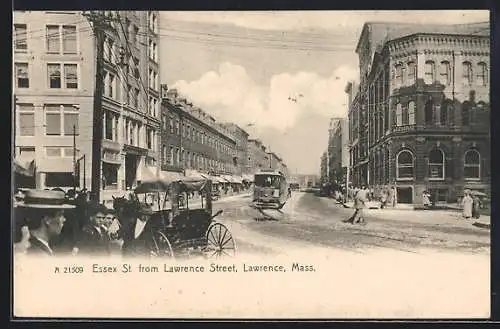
(43, 199)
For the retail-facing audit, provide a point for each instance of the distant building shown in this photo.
(324, 168)
(421, 118)
(241, 138)
(257, 156)
(192, 141)
(338, 154)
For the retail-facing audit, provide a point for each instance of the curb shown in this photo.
(482, 225)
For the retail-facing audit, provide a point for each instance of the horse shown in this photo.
(125, 209)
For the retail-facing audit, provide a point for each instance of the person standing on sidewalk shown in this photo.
(467, 204)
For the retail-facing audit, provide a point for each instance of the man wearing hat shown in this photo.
(43, 212)
(94, 239)
(138, 235)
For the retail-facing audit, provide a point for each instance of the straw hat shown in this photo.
(43, 199)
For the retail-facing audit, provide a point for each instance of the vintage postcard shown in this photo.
(251, 165)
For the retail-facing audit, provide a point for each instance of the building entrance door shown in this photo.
(131, 161)
(405, 195)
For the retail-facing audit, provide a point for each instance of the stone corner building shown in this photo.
(421, 117)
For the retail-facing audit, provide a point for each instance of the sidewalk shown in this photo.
(443, 216)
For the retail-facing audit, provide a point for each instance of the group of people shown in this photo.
(47, 225)
(470, 205)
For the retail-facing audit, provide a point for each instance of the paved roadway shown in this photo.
(308, 220)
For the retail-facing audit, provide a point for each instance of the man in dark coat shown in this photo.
(43, 212)
(93, 239)
(138, 234)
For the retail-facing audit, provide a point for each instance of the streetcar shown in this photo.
(270, 189)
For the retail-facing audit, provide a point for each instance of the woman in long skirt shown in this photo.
(467, 204)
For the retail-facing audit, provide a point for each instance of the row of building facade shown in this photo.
(148, 130)
(419, 118)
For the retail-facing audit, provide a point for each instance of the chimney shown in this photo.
(164, 91)
(172, 93)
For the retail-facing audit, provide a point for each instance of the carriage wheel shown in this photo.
(164, 246)
(220, 242)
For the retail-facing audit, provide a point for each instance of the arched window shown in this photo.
(436, 164)
(472, 165)
(399, 115)
(411, 113)
(466, 108)
(412, 73)
(445, 73)
(399, 74)
(482, 74)
(429, 72)
(429, 112)
(404, 165)
(467, 73)
(405, 115)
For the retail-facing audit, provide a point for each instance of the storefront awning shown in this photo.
(24, 166)
(248, 178)
(171, 175)
(237, 179)
(194, 174)
(59, 165)
(214, 179)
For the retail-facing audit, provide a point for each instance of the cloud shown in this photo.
(231, 95)
(303, 20)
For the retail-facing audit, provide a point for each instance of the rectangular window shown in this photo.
(59, 179)
(108, 126)
(171, 157)
(53, 151)
(53, 42)
(26, 120)
(69, 39)
(429, 72)
(27, 151)
(54, 73)
(109, 85)
(71, 76)
(136, 98)
(53, 124)
(70, 123)
(20, 37)
(110, 176)
(61, 120)
(22, 76)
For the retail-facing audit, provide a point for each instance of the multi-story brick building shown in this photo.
(192, 141)
(241, 138)
(54, 79)
(257, 156)
(424, 105)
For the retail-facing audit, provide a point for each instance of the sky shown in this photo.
(279, 75)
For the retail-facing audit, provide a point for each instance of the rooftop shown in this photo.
(381, 32)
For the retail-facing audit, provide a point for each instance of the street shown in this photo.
(317, 222)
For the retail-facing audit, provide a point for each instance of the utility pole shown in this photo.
(100, 23)
(74, 158)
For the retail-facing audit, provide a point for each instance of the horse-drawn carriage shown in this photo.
(181, 229)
